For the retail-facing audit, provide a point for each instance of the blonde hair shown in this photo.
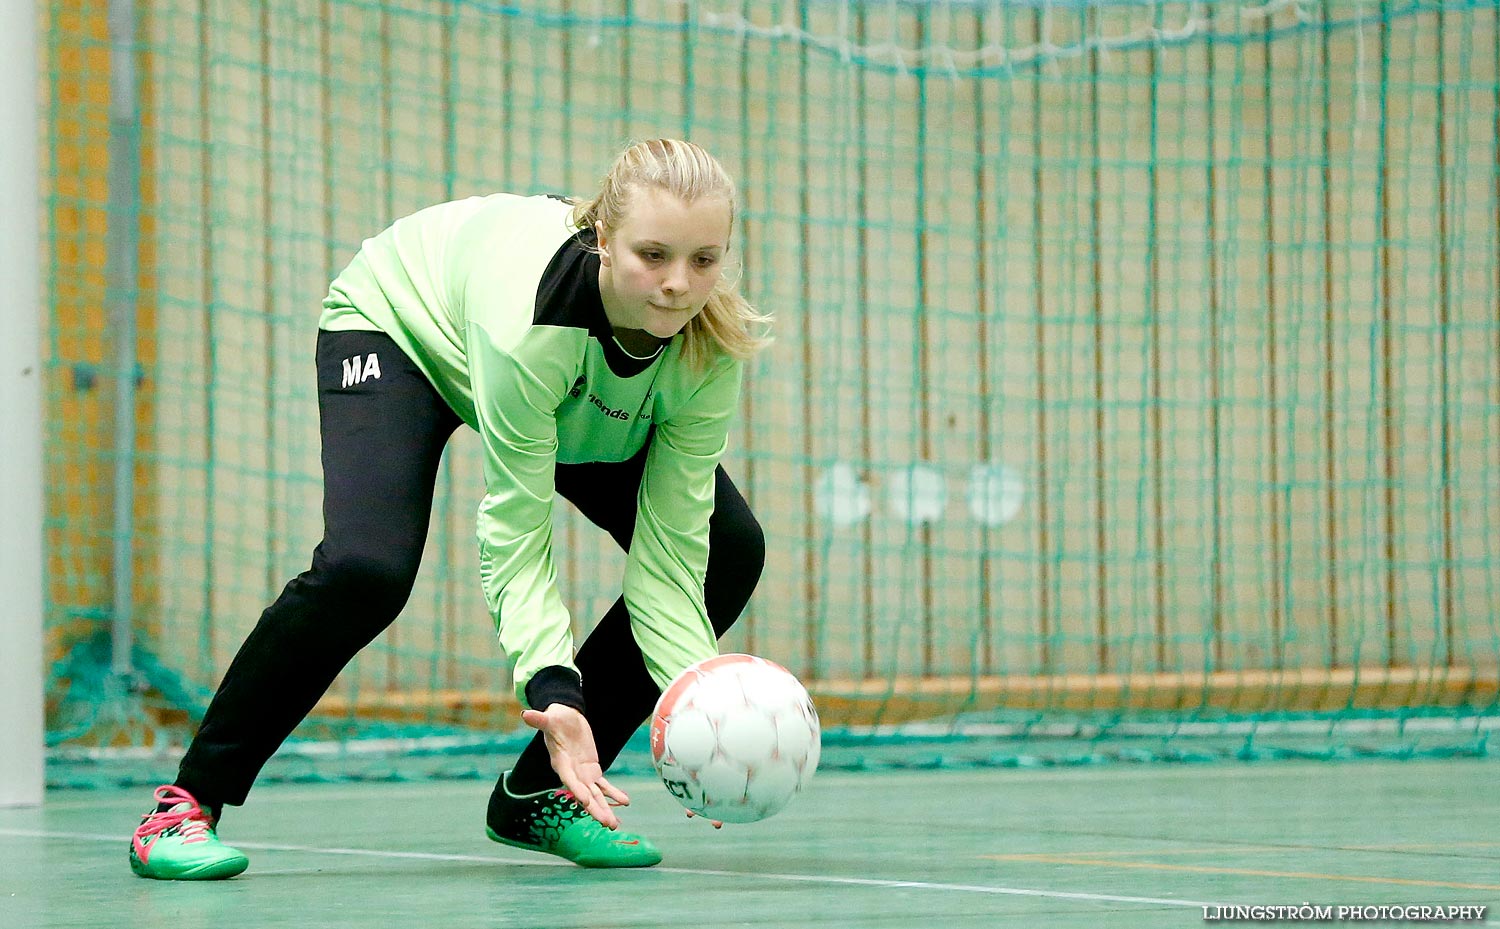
(728, 324)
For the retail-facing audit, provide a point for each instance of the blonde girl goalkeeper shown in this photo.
(597, 348)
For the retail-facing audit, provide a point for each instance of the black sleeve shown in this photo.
(555, 684)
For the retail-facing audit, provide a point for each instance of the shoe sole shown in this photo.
(209, 871)
(582, 863)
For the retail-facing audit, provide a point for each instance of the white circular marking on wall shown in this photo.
(840, 496)
(919, 494)
(995, 493)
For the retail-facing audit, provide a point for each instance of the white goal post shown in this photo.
(21, 727)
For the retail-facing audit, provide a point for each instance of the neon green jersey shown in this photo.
(496, 299)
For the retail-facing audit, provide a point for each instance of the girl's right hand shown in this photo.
(570, 742)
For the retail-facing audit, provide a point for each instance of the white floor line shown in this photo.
(706, 872)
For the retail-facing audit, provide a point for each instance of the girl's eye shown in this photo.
(650, 255)
(707, 261)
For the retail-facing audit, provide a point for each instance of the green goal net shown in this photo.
(1136, 391)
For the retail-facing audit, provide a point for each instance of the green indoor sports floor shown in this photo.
(1114, 845)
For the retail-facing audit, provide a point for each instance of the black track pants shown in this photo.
(383, 438)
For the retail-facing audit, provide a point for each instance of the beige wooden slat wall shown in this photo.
(183, 275)
(1351, 264)
(842, 626)
(1023, 550)
(720, 108)
(902, 561)
(1472, 56)
(954, 401)
(1253, 602)
(238, 386)
(1184, 355)
(1295, 296)
(1190, 293)
(1068, 358)
(774, 200)
(1419, 377)
(821, 328)
(1118, 100)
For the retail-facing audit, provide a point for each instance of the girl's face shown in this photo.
(659, 266)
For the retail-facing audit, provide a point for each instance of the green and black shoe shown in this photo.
(552, 821)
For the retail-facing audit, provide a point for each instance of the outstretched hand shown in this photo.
(717, 824)
(570, 742)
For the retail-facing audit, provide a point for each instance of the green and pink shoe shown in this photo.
(179, 843)
(552, 821)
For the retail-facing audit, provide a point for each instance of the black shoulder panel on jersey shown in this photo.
(568, 296)
(568, 293)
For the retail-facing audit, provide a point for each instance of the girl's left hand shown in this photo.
(713, 822)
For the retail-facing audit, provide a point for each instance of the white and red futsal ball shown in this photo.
(735, 737)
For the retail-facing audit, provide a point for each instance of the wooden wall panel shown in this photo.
(1215, 290)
